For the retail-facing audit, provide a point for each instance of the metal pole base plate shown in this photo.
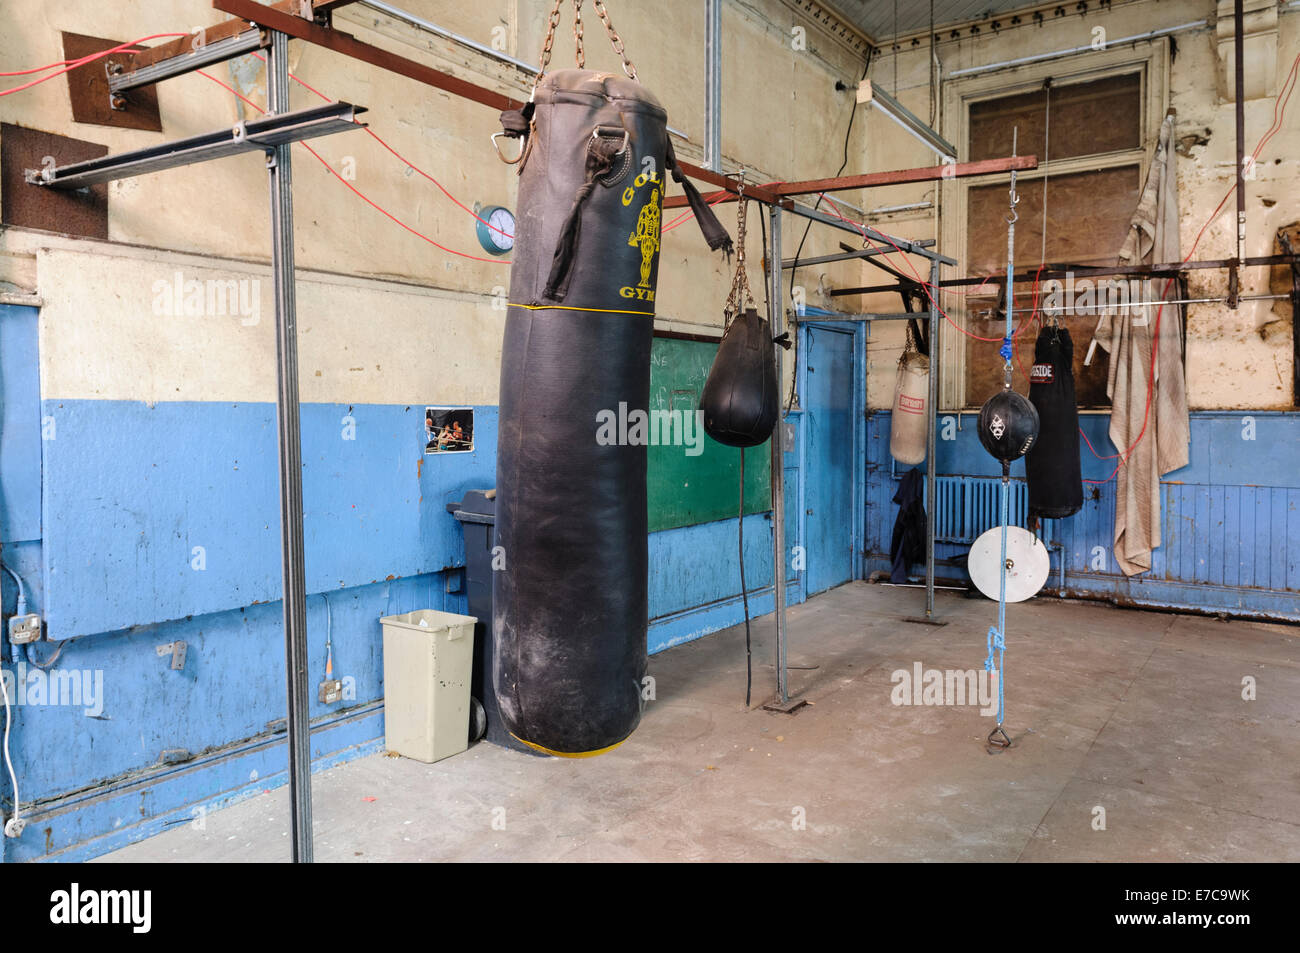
(787, 707)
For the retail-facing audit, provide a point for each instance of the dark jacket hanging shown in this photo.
(908, 543)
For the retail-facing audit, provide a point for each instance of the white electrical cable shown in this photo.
(14, 826)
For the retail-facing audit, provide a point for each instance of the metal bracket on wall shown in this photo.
(177, 650)
(254, 135)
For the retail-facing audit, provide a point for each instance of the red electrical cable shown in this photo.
(70, 65)
(361, 195)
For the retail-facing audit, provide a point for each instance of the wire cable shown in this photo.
(70, 65)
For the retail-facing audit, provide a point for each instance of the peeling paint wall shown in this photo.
(138, 428)
(1235, 359)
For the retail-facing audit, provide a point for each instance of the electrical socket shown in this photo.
(331, 691)
(24, 629)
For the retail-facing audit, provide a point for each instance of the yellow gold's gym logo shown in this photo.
(647, 234)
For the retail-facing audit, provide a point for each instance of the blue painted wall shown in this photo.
(1231, 517)
(102, 506)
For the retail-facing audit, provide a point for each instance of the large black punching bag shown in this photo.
(569, 597)
(1052, 466)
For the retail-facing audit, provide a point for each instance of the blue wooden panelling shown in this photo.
(132, 489)
(20, 425)
(1230, 518)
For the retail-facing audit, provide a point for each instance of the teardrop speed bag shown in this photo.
(569, 602)
(1052, 466)
(740, 399)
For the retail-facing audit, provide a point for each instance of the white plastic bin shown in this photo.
(428, 660)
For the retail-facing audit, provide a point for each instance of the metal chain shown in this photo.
(551, 26)
(614, 38)
(740, 294)
(580, 54)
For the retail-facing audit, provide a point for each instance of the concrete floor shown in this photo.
(1139, 713)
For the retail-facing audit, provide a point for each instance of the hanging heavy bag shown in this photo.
(1053, 465)
(569, 598)
(740, 400)
(910, 418)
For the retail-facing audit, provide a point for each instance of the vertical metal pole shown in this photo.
(1239, 52)
(776, 317)
(713, 85)
(280, 169)
(932, 425)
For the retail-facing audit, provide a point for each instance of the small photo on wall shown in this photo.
(448, 429)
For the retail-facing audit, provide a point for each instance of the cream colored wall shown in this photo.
(372, 296)
(1236, 358)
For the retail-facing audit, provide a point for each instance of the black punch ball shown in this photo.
(1008, 425)
(740, 399)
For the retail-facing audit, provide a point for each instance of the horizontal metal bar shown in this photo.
(848, 255)
(428, 26)
(410, 19)
(1106, 44)
(921, 247)
(250, 136)
(214, 52)
(1094, 309)
(900, 316)
(1090, 271)
(906, 118)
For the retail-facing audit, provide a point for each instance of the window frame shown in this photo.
(1152, 64)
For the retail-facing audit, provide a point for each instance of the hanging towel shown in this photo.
(1128, 333)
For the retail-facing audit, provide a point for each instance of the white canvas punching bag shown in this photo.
(907, 430)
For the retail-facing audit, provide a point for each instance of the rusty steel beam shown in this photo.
(961, 170)
(1165, 269)
(349, 45)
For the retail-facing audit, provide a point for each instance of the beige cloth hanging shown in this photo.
(1127, 334)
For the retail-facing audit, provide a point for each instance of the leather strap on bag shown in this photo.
(714, 233)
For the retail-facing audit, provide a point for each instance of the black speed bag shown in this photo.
(740, 400)
(1008, 425)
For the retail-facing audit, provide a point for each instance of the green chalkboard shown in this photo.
(683, 489)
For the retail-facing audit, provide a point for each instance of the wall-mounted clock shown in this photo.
(500, 237)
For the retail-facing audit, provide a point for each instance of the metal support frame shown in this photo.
(713, 85)
(1093, 271)
(931, 469)
(280, 174)
(253, 135)
(849, 255)
(776, 316)
(871, 94)
(272, 135)
(215, 52)
(1239, 52)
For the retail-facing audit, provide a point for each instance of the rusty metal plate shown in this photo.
(88, 87)
(83, 213)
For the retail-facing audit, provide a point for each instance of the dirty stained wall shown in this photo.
(138, 473)
(1235, 359)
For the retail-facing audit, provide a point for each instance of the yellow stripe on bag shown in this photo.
(566, 754)
(558, 307)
